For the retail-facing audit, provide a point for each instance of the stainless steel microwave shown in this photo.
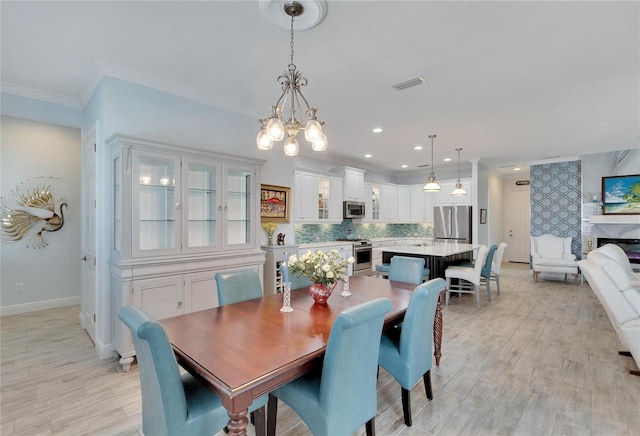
(353, 209)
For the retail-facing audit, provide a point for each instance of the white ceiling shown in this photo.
(509, 82)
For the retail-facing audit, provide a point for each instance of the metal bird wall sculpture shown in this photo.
(29, 210)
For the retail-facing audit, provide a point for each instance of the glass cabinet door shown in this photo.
(156, 204)
(202, 221)
(238, 207)
(375, 203)
(323, 198)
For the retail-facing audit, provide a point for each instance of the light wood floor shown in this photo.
(540, 359)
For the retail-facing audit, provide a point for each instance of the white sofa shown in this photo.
(550, 253)
(620, 300)
(618, 254)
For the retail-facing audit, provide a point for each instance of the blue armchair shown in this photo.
(236, 286)
(344, 396)
(173, 403)
(408, 358)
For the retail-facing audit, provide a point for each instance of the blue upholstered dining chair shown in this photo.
(174, 404)
(407, 269)
(236, 286)
(343, 397)
(297, 282)
(408, 357)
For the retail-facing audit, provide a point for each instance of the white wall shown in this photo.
(50, 275)
(495, 213)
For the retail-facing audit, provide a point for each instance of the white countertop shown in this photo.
(440, 249)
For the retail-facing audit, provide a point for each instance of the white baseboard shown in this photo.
(39, 305)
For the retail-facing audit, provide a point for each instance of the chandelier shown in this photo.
(283, 113)
(432, 183)
(458, 191)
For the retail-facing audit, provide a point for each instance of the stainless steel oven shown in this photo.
(363, 254)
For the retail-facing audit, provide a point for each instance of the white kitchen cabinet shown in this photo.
(388, 203)
(371, 202)
(421, 204)
(178, 216)
(335, 201)
(353, 184)
(305, 196)
(404, 203)
(317, 197)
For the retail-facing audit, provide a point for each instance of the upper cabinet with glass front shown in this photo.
(170, 200)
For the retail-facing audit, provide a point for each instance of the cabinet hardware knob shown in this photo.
(179, 304)
(177, 205)
(84, 258)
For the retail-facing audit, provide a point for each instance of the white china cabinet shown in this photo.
(179, 217)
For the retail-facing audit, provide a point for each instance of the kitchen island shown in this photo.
(436, 257)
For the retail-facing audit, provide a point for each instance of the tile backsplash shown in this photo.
(306, 233)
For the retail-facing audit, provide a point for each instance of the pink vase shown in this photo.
(320, 292)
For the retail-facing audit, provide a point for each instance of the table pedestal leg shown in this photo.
(437, 330)
(238, 423)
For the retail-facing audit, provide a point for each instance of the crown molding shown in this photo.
(554, 160)
(38, 94)
(138, 78)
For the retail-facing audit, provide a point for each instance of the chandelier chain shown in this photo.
(293, 15)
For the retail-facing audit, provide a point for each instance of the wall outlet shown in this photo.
(19, 287)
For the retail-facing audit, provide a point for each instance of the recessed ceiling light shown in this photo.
(516, 169)
(447, 159)
(368, 155)
(405, 166)
(418, 147)
(377, 130)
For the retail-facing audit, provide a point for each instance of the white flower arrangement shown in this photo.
(320, 267)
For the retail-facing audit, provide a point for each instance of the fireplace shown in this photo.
(630, 246)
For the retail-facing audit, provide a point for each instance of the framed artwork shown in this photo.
(274, 203)
(483, 216)
(621, 195)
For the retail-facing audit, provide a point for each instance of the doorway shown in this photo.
(88, 259)
(518, 211)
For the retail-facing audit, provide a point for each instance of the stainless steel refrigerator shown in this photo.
(452, 223)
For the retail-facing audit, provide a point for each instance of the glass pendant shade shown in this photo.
(291, 146)
(263, 140)
(275, 128)
(432, 184)
(458, 190)
(313, 131)
(320, 144)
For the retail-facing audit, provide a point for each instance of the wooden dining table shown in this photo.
(244, 350)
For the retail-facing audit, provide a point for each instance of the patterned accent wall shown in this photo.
(556, 201)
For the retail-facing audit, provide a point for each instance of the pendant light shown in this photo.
(458, 191)
(432, 183)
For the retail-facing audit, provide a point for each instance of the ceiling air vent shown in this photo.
(418, 80)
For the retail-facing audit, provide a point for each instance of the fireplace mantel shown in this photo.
(615, 219)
